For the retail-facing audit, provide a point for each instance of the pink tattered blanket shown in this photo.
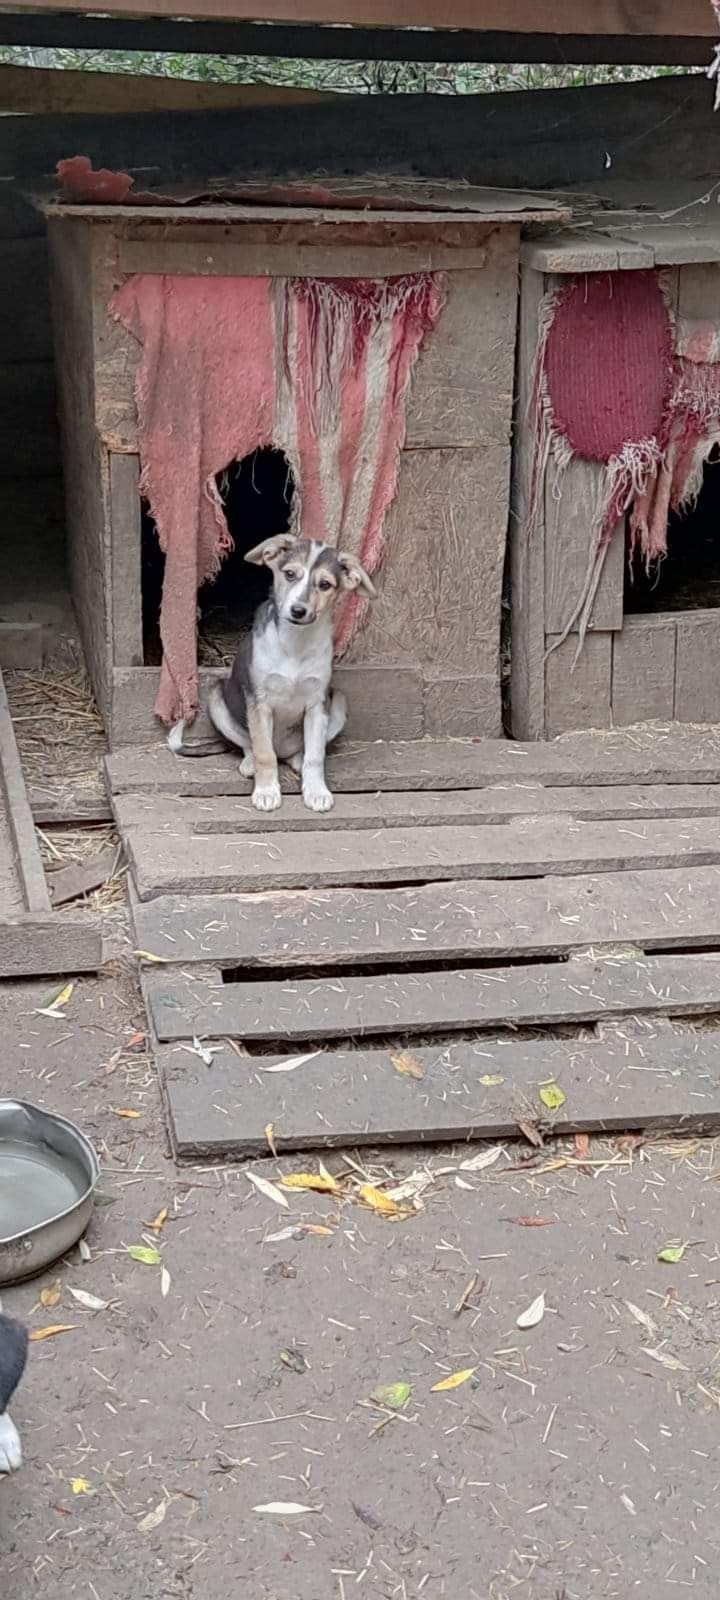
(319, 368)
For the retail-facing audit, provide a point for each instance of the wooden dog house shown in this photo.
(427, 661)
(652, 646)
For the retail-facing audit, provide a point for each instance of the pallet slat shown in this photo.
(529, 847)
(671, 909)
(435, 1002)
(33, 946)
(341, 1098)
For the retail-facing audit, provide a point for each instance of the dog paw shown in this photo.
(268, 798)
(10, 1451)
(317, 797)
(247, 767)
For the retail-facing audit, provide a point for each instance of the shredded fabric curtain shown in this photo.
(317, 368)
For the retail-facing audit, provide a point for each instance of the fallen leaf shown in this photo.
(92, 1302)
(153, 1518)
(377, 1201)
(52, 1007)
(84, 1251)
(582, 1146)
(145, 1253)
(294, 1359)
(270, 1190)
(81, 1486)
(672, 1253)
(122, 1111)
(461, 1183)
(316, 1227)
(165, 1282)
(159, 1221)
(531, 1222)
(269, 1132)
(531, 1132)
(287, 1508)
(491, 1080)
(534, 1314)
(412, 1186)
(391, 1395)
(49, 1297)
(552, 1096)
(310, 1180)
(642, 1317)
(406, 1065)
(484, 1158)
(147, 955)
(49, 1333)
(666, 1360)
(135, 1040)
(291, 1062)
(454, 1381)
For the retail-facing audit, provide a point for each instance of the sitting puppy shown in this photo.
(278, 704)
(13, 1355)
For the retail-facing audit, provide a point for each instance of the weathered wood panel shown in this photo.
(126, 579)
(183, 1007)
(32, 946)
(232, 258)
(527, 559)
(34, 90)
(577, 692)
(21, 828)
(461, 392)
(571, 538)
(654, 1083)
(528, 847)
(697, 666)
(643, 670)
(454, 707)
(667, 909)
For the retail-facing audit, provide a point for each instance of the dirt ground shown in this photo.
(580, 1459)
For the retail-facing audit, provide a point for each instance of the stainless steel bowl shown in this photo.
(48, 1174)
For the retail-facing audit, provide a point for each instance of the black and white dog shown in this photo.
(278, 703)
(13, 1355)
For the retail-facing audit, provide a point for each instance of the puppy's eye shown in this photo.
(290, 574)
(325, 584)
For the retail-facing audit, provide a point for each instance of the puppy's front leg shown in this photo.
(266, 794)
(315, 791)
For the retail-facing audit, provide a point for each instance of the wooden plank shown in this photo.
(456, 707)
(577, 692)
(645, 755)
(643, 670)
(33, 946)
(69, 805)
(184, 1007)
(21, 645)
(528, 847)
(663, 17)
(81, 877)
(569, 251)
(229, 258)
(34, 90)
(13, 793)
(125, 534)
(571, 539)
(675, 245)
(189, 817)
(697, 666)
(461, 392)
(666, 910)
(527, 560)
(698, 294)
(657, 1082)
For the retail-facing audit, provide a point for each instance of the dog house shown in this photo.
(615, 536)
(226, 371)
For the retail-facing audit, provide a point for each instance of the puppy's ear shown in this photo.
(354, 576)
(270, 551)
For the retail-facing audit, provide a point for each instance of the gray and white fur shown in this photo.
(278, 703)
(13, 1355)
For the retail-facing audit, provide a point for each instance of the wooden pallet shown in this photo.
(33, 939)
(397, 970)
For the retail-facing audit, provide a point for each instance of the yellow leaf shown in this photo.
(310, 1180)
(491, 1080)
(49, 1333)
(454, 1381)
(552, 1096)
(62, 998)
(122, 1111)
(147, 955)
(269, 1131)
(159, 1221)
(377, 1201)
(49, 1297)
(81, 1486)
(316, 1227)
(407, 1065)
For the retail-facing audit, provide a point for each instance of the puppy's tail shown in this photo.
(199, 747)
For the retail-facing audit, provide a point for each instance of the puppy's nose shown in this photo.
(297, 612)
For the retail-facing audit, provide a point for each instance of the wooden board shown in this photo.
(187, 817)
(571, 538)
(524, 848)
(232, 258)
(638, 756)
(69, 804)
(697, 666)
(643, 669)
(356, 1097)
(461, 392)
(33, 946)
(78, 879)
(125, 560)
(656, 910)
(41, 90)
(14, 801)
(320, 1008)
(577, 691)
(527, 557)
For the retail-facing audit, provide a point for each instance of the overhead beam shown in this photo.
(654, 18)
(223, 36)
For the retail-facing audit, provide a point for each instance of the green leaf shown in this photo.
(392, 1395)
(491, 1080)
(552, 1096)
(146, 1253)
(672, 1253)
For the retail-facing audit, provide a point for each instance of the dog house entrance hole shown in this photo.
(688, 578)
(257, 495)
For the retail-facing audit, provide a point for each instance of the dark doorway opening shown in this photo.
(257, 494)
(688, 577)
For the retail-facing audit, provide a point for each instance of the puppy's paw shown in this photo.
(247, 767)
(10, 1451)
(317, 797)
(267, 797)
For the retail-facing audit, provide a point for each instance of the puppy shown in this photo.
(278, 703)
(13, 1355)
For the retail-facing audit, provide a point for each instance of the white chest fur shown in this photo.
(292, 667)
